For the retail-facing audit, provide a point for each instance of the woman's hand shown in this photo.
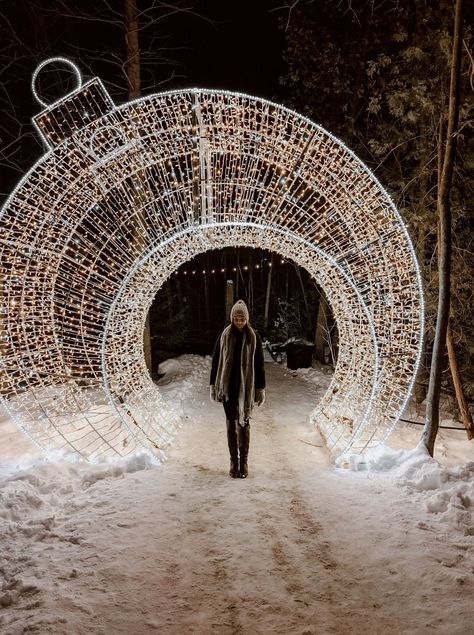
(260, 396)
(212, 393)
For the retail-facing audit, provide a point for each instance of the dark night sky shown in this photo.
(222, 44)
(241, 50)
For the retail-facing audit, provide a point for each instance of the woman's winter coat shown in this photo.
(237, 367)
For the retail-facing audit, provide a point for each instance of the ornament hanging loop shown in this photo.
(54, 60)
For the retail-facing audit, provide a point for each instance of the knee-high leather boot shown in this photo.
(233, 448)
(243, 435)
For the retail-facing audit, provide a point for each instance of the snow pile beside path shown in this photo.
(446, 492)
(112, 469)
(57, 473)
(41, 509)
(30, 458)
(318, 373)
(183, 376)
(38, 491)
(382, 459)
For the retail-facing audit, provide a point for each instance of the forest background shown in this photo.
(374, 74)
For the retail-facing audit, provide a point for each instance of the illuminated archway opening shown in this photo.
(125, 195)
(192, 307)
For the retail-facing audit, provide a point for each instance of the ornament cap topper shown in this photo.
(72, 112)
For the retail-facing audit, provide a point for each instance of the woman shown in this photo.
(238, 381)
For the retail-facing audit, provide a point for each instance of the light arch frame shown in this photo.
(343, 442)
(200, 116)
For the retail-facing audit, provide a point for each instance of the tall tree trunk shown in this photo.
(132, 72)
(460, 396)
(444, 243)
(420, 238)
(132, 57)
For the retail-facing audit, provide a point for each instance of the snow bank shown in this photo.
(317, 373)
(182, 376)
(36, 510)
(83, 544)
(444, 491)
(381, 459)
(36, 492)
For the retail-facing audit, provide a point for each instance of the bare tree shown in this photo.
(445, 176)
(132, 57)
(464, 411)
(120, 42)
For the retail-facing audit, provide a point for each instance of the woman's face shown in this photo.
(239, 321)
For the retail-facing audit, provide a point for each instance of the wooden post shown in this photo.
(147, 344)
(206, 291)
(305, 299)
(237, 274)
(169, 298)
(250, 287)
(267, 297)
(229, 298)
(321, 332)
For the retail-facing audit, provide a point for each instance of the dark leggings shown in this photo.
(231, 409)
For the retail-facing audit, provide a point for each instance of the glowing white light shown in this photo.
(126, 196)
(55, 60)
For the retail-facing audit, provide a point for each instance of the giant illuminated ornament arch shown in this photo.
(125, 195)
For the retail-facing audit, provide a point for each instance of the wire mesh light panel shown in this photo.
(125, 195)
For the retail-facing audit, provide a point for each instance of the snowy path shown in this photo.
(182, 548)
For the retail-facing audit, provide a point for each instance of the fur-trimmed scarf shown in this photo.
(247, 372)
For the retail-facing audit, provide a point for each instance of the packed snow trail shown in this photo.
(297, 547)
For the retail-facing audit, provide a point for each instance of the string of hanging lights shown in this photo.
(125, 196)
(226, 270)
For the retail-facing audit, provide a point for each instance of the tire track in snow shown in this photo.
(302, 552)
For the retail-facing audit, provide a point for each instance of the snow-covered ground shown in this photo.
(299, 547)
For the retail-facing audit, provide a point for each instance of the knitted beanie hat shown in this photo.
(239, 308)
